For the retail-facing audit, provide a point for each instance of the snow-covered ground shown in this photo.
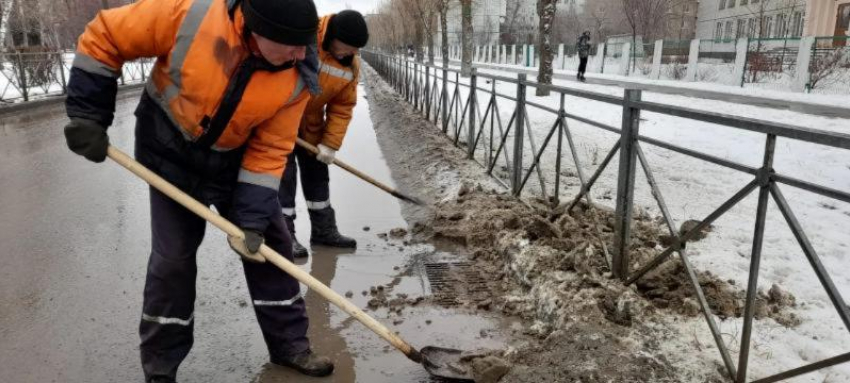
(693, 189)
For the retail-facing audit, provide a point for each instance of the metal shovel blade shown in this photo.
(445, 363)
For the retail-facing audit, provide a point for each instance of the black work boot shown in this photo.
(298, 251)
(324, 231)
(307, 363)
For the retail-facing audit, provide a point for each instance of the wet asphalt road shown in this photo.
(74, 242)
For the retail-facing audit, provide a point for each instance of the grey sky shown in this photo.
(333, 6)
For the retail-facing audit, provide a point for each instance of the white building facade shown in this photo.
(731, 19)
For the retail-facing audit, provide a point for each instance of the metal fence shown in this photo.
(771, 62)
(454, 105)
(829, 68)
(28, 75)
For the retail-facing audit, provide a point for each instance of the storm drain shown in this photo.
(453, 283)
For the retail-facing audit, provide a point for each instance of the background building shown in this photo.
(730, 19)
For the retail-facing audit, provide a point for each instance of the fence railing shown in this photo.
(512, 155)
(29, 75)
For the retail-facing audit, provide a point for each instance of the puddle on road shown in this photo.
(360, 355)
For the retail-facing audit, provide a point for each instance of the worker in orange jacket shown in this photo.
(324, 125)
(218, 118)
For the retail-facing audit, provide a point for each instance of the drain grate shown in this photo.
(455, 282)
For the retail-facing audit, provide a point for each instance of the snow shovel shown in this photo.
(440, 362)
(361, 175)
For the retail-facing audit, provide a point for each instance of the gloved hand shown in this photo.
(326, 154)
(249, 246)
(87, 138)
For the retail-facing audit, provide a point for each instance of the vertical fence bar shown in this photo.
(428, 93)
(556, 200)
(415, 86)
(470, 134)
(445, 101)
(764, 182)
(626, 184)
(516, 179)
(62, 73)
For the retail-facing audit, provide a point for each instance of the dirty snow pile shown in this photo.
(552, 270)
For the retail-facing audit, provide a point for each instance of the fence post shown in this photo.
(531, 58)
(626, 184)
(625, 60)
(428, 93)
(513, 54)
(22, 77)
(415, 86)
(764, 178)
(473, 100)
(656, 60)
(693, 56)
(516, 179)
(804, 60)
(406, 82)
(741, 49)
(560, 55)
(61, 56)
(445, 103)
(600, 53)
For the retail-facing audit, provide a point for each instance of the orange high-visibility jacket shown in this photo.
(328, 114)
(198, 46)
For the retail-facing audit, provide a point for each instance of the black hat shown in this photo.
(350, 28)
(290, 22)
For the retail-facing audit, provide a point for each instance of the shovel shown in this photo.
(440, 362)
(361, 175)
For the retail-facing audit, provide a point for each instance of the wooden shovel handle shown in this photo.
(268, 253)
(312, 149)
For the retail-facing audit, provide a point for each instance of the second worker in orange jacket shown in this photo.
(324, 124)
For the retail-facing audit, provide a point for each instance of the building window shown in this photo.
(751, 27)
(718, 33)
(727, 33)
(743, 2)
(796, 24)
(740, 28)
(781, 28)
(767, 26)
(722, 4)
(731, 4)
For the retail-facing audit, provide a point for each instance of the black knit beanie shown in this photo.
(290, 22)
(349, 27)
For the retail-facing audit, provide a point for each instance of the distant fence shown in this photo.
(26, 76)
(803, 64)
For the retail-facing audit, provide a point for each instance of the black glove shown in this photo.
(87, 138)
(247, 248)
(253, 240)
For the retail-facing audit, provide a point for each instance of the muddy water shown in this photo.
(74, 239)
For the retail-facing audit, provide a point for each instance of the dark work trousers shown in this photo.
(176, 233)
(582, 65)
(314, 182)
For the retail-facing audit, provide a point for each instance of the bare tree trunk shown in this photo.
(546, 11)
(432, 23)
(444, 38)
(466, 36)
(4, 20)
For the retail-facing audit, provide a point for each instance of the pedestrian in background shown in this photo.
(583, 48)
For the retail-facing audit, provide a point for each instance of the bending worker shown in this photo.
(207, 123)
(324, 125)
